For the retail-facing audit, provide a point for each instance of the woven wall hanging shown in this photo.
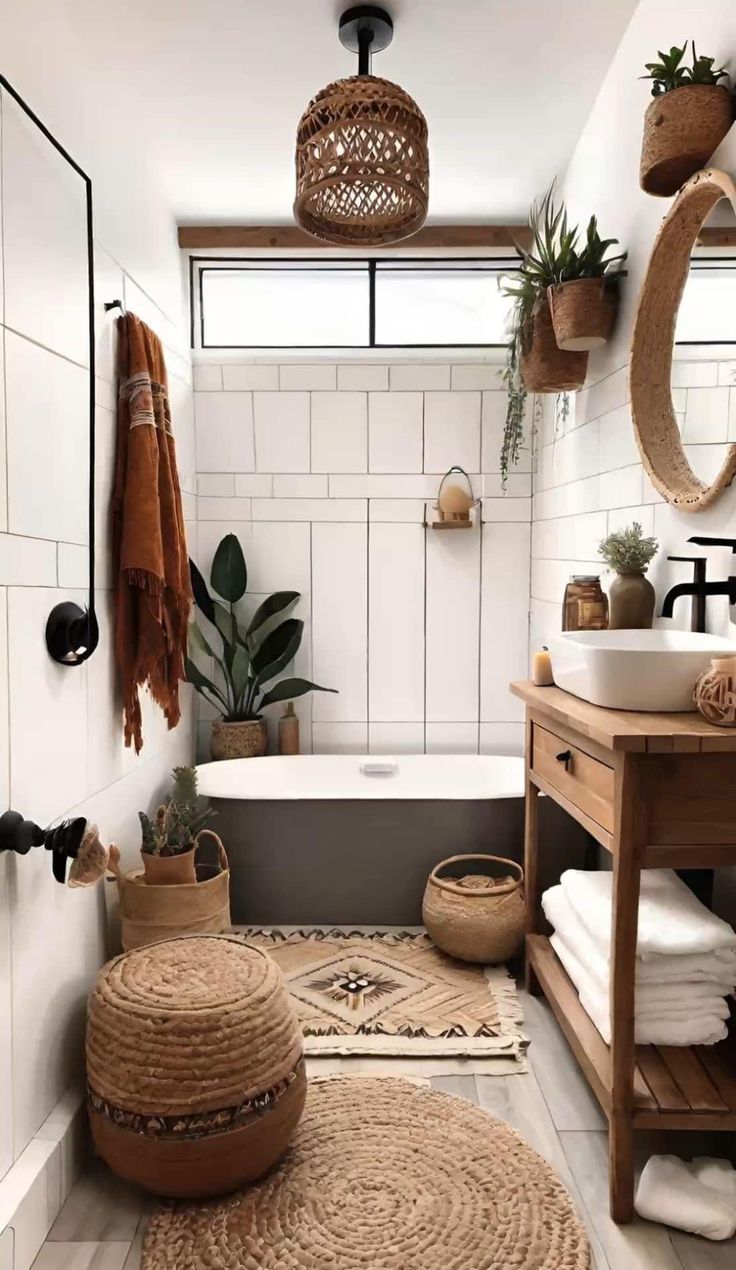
(362, 163)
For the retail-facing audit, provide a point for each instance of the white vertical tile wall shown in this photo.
(420, 631)
(60, 730)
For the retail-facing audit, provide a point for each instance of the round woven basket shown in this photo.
(362, 164)
(546, 367)
(151, 913)
(470, 915)
(682, 129)
(583, 312)
(195, 1073)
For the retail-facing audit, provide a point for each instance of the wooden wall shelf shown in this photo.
(656, 791)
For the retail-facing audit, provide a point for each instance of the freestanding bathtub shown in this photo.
(349, 839)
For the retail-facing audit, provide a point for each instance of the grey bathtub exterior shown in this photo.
(359, 862)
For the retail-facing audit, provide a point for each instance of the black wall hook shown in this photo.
(63, 841)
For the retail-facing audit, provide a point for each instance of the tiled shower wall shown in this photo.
(323, 471)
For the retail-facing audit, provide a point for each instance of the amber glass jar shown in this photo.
(585, 606)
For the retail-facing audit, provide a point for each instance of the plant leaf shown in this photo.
(202, 597)
(277, 606)
(229, 576)
(289, 690)
(202, 683)
(198, 640)
(239, 672)
(278, 649)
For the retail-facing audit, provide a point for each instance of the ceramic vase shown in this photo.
(715, 692)
(248, 739)
(631, 602)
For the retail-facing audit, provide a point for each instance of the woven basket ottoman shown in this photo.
(195, 1073)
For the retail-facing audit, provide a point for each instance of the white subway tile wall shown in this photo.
(589, 481)
(420, 631)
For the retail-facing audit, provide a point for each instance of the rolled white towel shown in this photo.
(672, 921)
(672, 1192)
(696, 1026)
(658, 978)
(720, 1174)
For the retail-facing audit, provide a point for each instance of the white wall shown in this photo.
(322, 470)
(589, 479)
(61, 750)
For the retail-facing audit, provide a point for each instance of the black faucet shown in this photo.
(699, 589)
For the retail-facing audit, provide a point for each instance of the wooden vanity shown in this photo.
(656, 791)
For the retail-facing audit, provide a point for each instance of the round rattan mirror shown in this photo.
(655, 424)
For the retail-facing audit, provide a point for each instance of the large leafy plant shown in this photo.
(669, 72)
(177, 822)
(556, 256)
(248, 659)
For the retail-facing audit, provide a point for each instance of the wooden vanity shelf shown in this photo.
(656, 791)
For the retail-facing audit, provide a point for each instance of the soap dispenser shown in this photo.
(289, 731)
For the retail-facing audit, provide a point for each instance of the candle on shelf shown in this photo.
(542, 668)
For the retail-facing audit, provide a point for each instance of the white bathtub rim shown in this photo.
(338, 777)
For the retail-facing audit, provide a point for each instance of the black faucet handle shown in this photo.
(702, 540)
(689, 559)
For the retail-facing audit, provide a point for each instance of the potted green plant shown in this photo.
(248, 658)
(169, 840)
(537, 360)
(631, 596)
(691, 113)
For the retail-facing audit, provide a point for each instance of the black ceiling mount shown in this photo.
(366, 29)
(72, 633)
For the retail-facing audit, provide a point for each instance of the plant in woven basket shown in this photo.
(177, 822)
(556, 256)
(628, 551)
(248, 657)
(670, 72)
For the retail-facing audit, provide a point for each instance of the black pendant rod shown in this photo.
(72, 633)
(365, 40)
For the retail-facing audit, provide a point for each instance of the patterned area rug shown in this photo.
(395, 994)
(383, 1175)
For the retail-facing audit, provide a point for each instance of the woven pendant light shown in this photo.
(362, 164)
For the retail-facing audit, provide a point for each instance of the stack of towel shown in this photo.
(699, 1197)
(686, 956)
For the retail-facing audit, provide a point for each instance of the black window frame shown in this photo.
(198, 265)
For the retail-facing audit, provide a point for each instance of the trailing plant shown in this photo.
(177, 822)
(555, 257)
(628, 551)
(250, 657)
(670, 73)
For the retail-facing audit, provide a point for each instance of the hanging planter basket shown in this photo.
(583, 312)
(682, 129)
(546, 367)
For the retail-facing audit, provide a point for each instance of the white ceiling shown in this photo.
(215, 89)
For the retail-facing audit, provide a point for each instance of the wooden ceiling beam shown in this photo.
(717, 236)
(291, 238)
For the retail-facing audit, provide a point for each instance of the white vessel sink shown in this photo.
(634, 670)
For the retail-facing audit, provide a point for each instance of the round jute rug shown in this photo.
(384, 1175)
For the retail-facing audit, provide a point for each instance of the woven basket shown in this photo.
(471, 917)
(150, 913)
(546, 367)
(248, 739)
(682, 129)
(195, 1073)
(362, 164)
(583, 313)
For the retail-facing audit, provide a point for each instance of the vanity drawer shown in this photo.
(584, 780)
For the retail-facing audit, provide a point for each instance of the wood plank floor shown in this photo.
(101, 1225)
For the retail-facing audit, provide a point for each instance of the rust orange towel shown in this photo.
(150, 560)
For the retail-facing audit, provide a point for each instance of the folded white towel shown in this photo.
(675, 1193)
(672, 921)
(660, 978)
(720, 1174)
(697, 1026)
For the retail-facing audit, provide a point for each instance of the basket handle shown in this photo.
(447, 884)
(222, 859)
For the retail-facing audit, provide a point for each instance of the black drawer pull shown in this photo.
(566, 758)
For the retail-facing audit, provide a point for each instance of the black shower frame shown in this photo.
(67, 618)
